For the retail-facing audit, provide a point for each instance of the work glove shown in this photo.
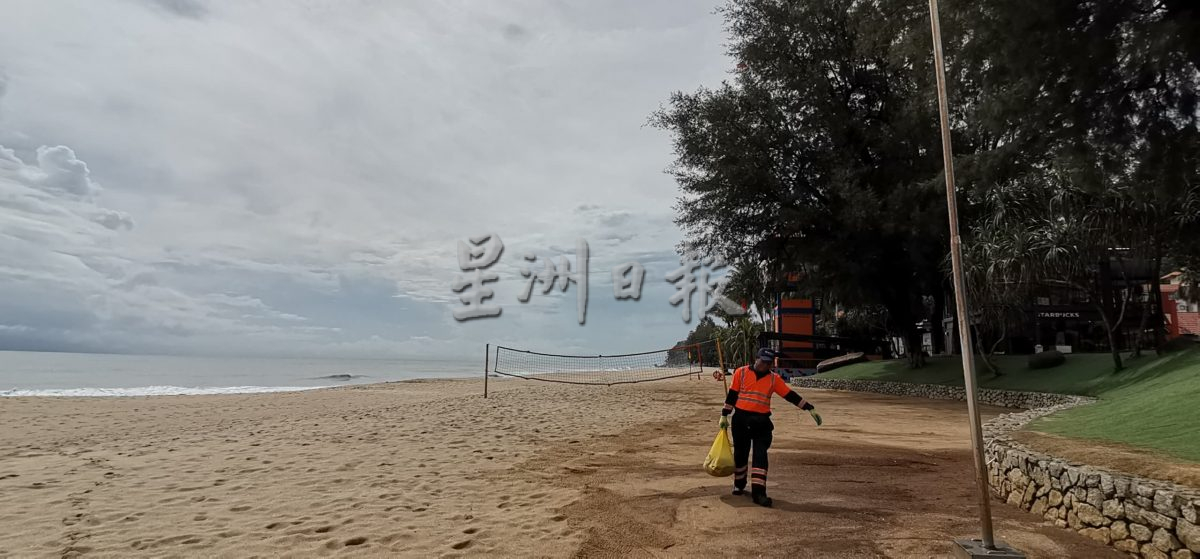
(813, 412)
(724, 420)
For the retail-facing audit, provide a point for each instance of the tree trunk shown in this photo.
(939, 333)
(1156, 293)
(1003, 336)
(983, 356)
(1116, 352)
(1137, 339)
(1112, 340)
(1112, 329)
(916, 355)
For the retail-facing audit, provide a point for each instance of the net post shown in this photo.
(700, 359)
(721, 364)
(487, 353)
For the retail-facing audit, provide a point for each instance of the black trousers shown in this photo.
(751, 433)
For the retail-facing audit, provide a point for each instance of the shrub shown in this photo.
(1046, 359)
(1178, 344)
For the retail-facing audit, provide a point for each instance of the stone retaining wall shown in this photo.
(1003, 398)
(1144, 517)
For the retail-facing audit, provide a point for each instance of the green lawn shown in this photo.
(1151, 404)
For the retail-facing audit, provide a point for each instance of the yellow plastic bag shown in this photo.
(719, 462)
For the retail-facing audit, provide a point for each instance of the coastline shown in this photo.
(428, 468)
(162, 391)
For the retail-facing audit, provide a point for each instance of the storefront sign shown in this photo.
(1058, 314)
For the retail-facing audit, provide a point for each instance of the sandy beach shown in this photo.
(431, 469)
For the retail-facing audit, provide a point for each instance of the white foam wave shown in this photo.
(152, 391)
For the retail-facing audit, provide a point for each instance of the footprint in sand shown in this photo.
(355, 541)
(240, 508)
(462, 545)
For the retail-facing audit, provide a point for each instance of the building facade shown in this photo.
(1070, 319)
(1182, 316)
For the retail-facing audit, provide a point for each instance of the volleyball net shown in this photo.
(606, 370)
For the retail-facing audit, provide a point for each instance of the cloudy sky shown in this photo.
(293, 177)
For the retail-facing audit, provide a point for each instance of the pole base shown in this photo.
(973, 549)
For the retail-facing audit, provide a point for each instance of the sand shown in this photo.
(431, 469)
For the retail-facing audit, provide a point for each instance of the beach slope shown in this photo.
(429, 469)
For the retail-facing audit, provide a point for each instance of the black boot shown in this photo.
(739, 487)
(759, 494)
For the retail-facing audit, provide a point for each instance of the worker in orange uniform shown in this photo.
(749, 399)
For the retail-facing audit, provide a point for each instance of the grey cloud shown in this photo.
(61, 170)
(64, 277)
(616, 237)
(325, 165)
(113, 219)
(515, 33)
(193, 9)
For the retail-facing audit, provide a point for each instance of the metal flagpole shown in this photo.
(987, 547)
(487, 353)
(721, 365)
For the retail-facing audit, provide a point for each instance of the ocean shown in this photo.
(24, 373)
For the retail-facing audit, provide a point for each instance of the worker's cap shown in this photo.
(766, 354)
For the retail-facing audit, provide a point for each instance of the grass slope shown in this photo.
(1152, 404)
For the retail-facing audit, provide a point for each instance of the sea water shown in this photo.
(25, 373)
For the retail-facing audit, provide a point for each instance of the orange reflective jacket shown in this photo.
(754, 393)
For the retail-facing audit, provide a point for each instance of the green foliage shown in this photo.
(738, 337)
(1075, 128)
(739, 342)
(1178, 344)
(1046, 360)
(828, 141)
